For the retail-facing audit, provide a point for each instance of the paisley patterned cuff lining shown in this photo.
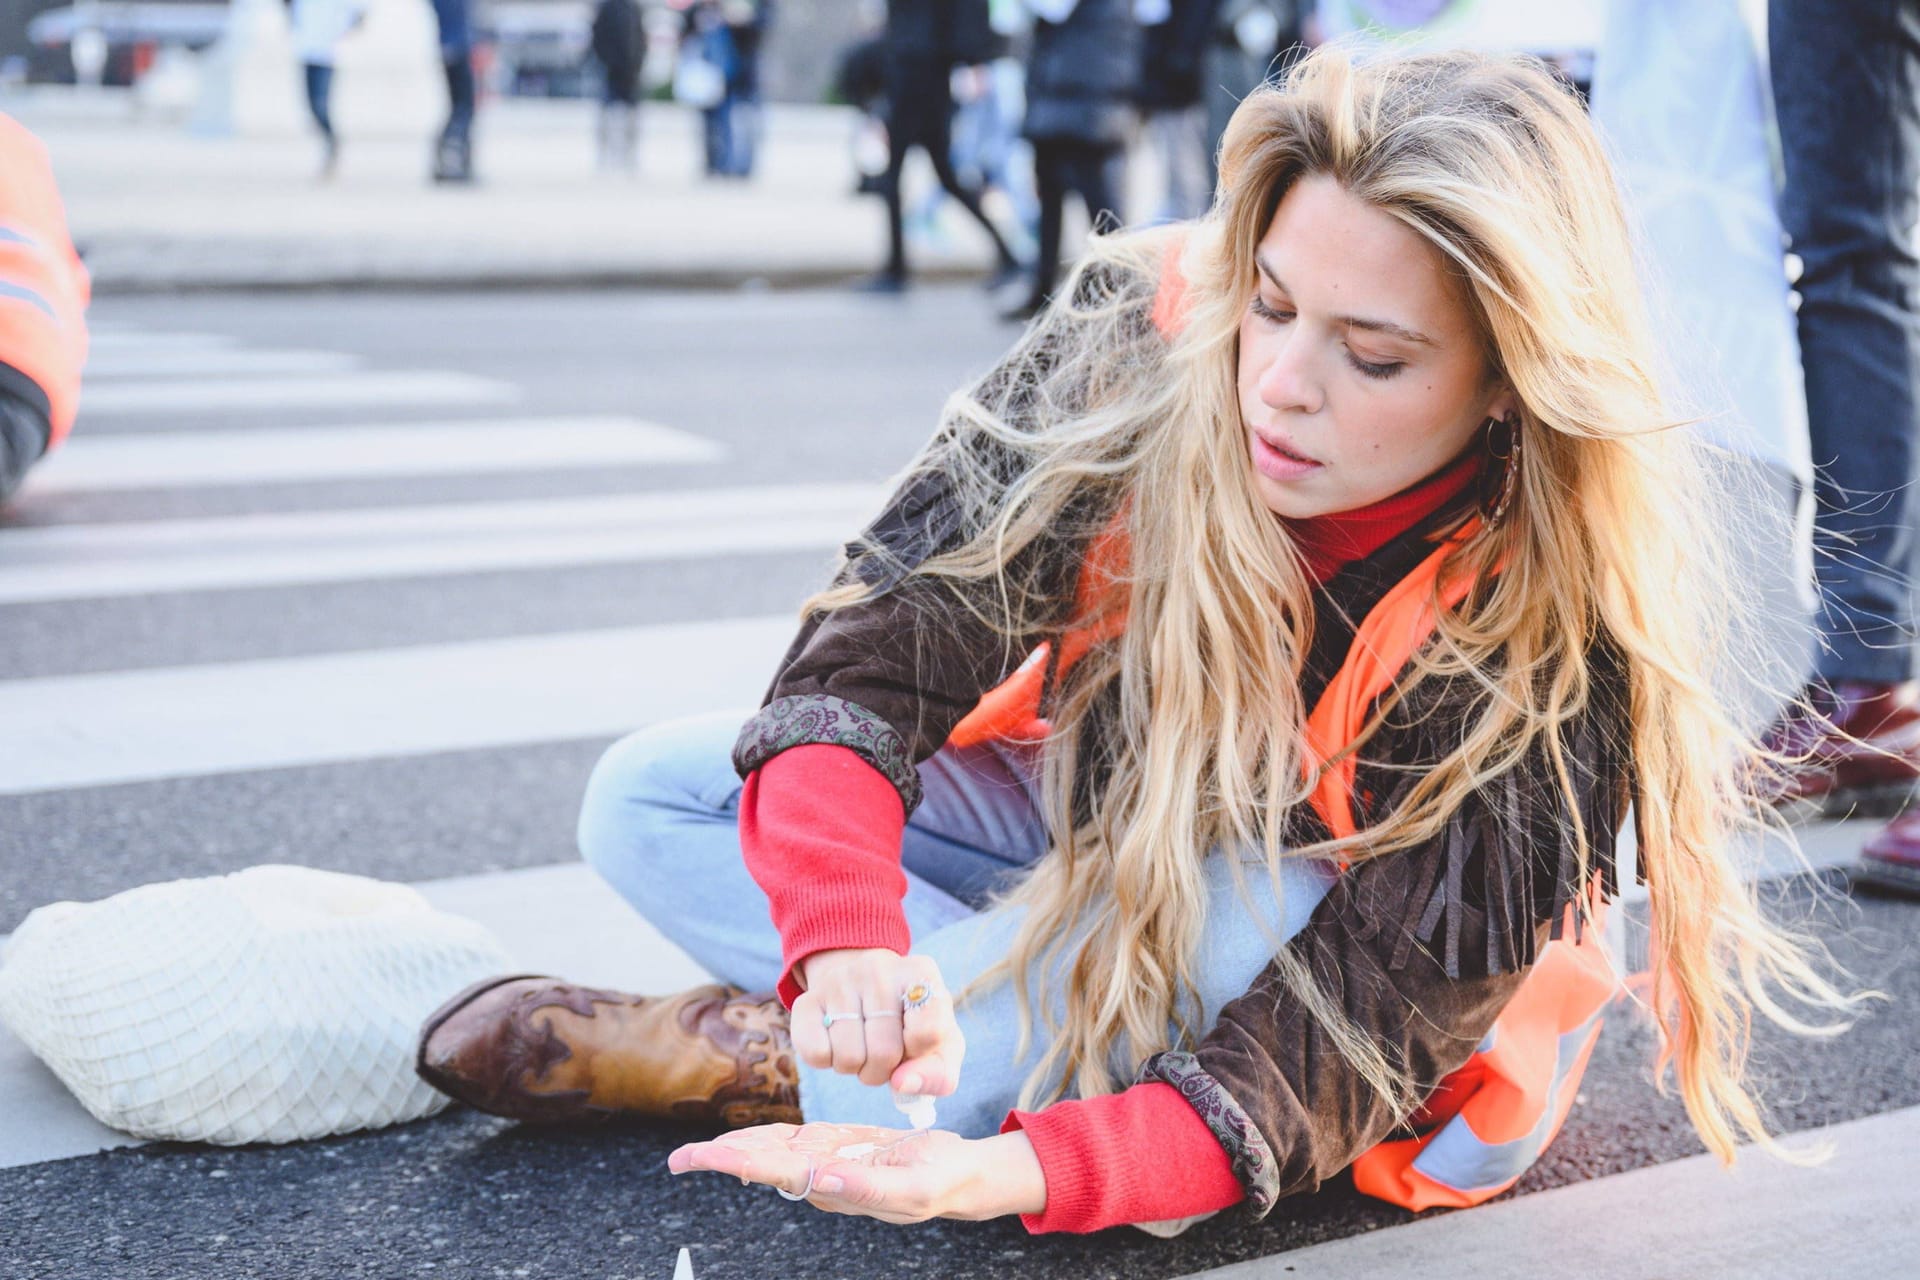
(1247, 1150)
(822, 718)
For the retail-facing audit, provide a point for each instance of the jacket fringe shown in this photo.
(1511, 856)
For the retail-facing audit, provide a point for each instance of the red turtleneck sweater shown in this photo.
(820, 830)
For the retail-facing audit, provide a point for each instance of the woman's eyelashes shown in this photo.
(1386, 370)
(1272, 314)
(1280, 315)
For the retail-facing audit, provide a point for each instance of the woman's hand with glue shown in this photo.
(885, 1018)
(887, 1174)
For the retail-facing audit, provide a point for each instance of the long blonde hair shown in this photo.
(1183, 734)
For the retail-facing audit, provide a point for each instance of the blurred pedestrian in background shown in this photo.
(747, 22)
(701, 71)
(1083, 72)
(1175, 34)
(44, 292)
(923, 43)
(620, 44)
(1846, 83)
(860, 80)
(453, 150)
(719, 72)
(318, 28)
(989, 104)
(1247, 39)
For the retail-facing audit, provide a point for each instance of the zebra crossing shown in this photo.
(353, 468)
(314, 416)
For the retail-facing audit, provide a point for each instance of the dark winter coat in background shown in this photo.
(619, 41)
(924, 41)
(1171, 56)
(1083, 75)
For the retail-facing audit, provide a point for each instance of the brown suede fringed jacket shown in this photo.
(1421, 948)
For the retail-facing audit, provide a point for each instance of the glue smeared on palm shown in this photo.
(779, 1154)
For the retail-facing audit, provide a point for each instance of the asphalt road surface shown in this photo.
(328, 527)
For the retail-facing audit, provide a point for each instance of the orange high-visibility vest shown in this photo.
(1487, 1122)
(43, 287)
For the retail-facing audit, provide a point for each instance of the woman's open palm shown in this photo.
(895, 1175)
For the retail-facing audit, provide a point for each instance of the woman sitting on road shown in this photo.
(1364, 586)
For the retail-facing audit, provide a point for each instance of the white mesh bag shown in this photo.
(269, 1005)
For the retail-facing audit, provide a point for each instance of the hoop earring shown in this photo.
(1503, 449)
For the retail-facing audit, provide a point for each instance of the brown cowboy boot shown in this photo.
(540, 1049)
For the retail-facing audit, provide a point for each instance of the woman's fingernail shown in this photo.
(910, 1082)
(831, 1184)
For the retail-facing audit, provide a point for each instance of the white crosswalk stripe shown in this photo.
(112, 339)
(88, 561)
(210, 362)
(228, 395)
(257, 455)
(180, 722)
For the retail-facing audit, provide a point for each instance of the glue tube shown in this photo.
(917, 1107)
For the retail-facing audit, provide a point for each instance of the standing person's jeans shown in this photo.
(720, 138)
(1846, 84)
(660, 823)
(319, 96)
(732, 135)
(454, 148)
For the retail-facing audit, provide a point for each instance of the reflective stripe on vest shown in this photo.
(1459, 1158)
(1501, 1109)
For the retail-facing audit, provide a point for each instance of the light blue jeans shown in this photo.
(660, 824)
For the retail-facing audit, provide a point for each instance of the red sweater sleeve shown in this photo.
(820, 831)
(1140, 1155)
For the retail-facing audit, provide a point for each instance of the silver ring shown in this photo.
(828, 1019)
(884, 1013)
(813, 1171)
(917, 996)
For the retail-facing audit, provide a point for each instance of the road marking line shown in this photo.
(110, 339)
(180, 722)
(1690, 1217)
(194, 362)
(75, 562)
(257, 455)
(213, 395)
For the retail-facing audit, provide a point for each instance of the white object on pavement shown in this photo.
(270, 1005)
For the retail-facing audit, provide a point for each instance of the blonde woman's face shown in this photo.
(1360, 370)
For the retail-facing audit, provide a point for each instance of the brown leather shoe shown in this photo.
(1891, 860)
(540, 1049)
(1858, 744)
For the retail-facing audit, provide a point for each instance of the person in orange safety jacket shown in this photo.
(1344, 543)
(43, 301)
